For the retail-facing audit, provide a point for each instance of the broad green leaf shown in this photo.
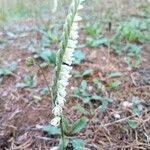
(12, 67)
(83, 84)
(96, 42)
(65, 124)
(86, 99)
(79, 125)
(48, 56)
(133, 124)
(77, 74)
(63, 144)
(87, 72)
(95, 97)
(93, 29)
(104, 105)
(78, 144)
(82, 109)
(78, 57)
(29, 81)
(115, 74)
(51, 130)
(114, 84)
(105, 102)
(44, 91)
(8, 69)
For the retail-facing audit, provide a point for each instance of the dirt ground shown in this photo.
(21, 110)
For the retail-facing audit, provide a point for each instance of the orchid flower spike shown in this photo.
(64, 60)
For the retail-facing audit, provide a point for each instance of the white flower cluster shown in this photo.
(66, 68)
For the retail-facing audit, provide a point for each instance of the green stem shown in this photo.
(46, 82)
(62, 133)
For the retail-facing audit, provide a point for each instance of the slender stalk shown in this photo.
(46, 82)
(62, 133)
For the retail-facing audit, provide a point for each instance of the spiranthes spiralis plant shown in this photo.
(63, 67)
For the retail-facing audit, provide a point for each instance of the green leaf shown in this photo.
(87, 72)
(86, 99)
(83, 84)
(29, 81)
(63, 144)
(81, 109)
(114, 84)
(51, 130)
(78, 144)
(104, 105)
(12, 67)
(44, 91)
(133, 124)
(8, 69)
(96, 42)
(79, 56)
(115, 74)
(95, 97)
(65, 124)
(105, 102)
(93, 29)
(77, 74)
(98, 84)
(79, 125)
(48, 56)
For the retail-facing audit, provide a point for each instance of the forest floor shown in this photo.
(125, 122)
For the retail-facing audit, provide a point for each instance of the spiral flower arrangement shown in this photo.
(64, 60)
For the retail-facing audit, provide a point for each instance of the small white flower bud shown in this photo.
(56, 121)
(77, 18)
(80, 7)
(57, 110)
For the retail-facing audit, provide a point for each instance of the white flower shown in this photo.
(68, 58)
(65, 69)
(77, 18)
(74, 35)
(62, 92)
(56, 121)
(62, 83)
(75, 26)
(65, 77)
(57, 110)
(72, 43)
(80, 7)
(69, 50)
(60, 100)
